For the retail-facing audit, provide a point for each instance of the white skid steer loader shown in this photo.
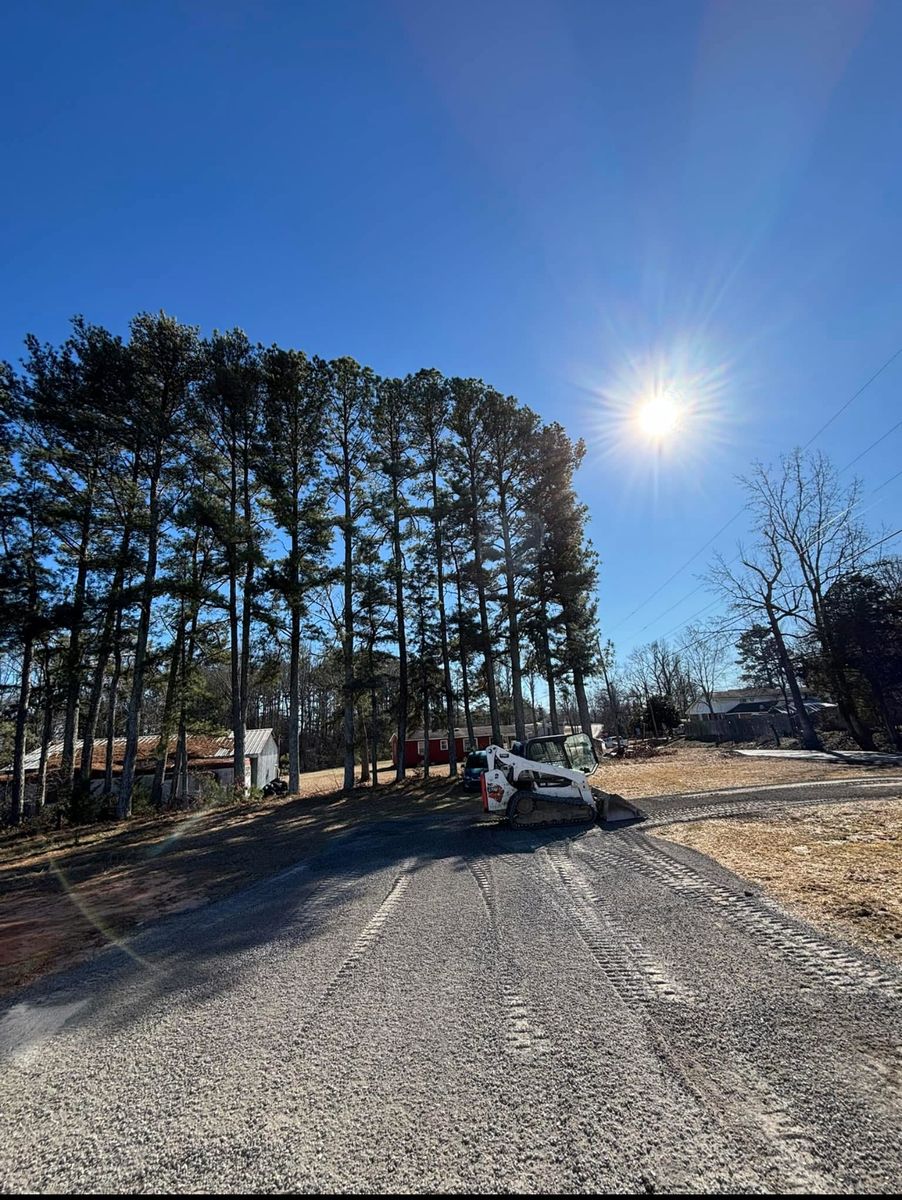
(544, 781)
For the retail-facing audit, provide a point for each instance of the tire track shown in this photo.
(788, 1147)
(633, 973)
(734, 1093)
(364, 943)
(754, 808)
(524, 1036)
(780, 936)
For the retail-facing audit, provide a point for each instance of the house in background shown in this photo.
(415, 745)
(208, 757)
(748, 701)
(747, 714)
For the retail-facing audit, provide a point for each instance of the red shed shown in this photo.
(415, 746)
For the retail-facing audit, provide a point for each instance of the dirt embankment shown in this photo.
(838, 866)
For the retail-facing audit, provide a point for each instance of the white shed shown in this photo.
(261, 747)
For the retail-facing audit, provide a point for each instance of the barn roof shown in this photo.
(200, 746)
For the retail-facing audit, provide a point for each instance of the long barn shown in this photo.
(415, 745)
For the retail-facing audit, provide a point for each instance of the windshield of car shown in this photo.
(477, 760)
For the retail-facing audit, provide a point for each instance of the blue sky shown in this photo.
(578, 202)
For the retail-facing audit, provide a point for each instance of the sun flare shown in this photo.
(658, 417)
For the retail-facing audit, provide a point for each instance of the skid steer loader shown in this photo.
(544, 781)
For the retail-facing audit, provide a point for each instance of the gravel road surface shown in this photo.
(439, 1004)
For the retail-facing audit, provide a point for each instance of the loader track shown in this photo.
(633, 973)
(776, 933)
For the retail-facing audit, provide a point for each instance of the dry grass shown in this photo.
(698, 768)
(839, 866)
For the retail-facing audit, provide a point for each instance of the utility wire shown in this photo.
(873, 546)
(619, 624)
(842, 408)
(882, 438)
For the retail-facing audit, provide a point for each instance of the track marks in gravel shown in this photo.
(758, 807)
(814, 957)
(742, 1098)
(524, 1035)
(481, 870)
(365, 941)
(634, 973)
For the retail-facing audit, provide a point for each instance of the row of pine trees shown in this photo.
(167, 498)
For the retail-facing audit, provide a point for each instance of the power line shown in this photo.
(842, 408)
(619, 624)
(873, 546)
(679, 570)
(882, 438)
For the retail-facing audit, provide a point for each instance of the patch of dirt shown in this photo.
(63, 898)
(699, 768)
(838, 866)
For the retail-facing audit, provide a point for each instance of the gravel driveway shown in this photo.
(438, 1005)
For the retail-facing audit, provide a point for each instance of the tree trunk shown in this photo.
(136, 700)
(364, 749)
(374, 740)
(513, 623)
(464, 663)
(582, 703)
(73, 653)
(426, 746)
(403, 686)
(810, 740)
(18, 805)
(112, 708)
(443, 626)
(167, 722)
(46, 731)
(348, 640)
(104, 646)
(294, 686)
(549, 671)
(615, 708)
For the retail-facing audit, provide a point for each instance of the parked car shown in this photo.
(475, 766)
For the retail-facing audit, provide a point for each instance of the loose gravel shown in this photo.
(450, 1006)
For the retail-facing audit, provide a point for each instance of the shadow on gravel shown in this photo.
(187, 959)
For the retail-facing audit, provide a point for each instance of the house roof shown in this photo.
(200, 747)
(417, 735)
(754, 693)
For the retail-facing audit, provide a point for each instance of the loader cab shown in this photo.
(573, 751)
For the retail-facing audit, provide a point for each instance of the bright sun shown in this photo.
(659, 417)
